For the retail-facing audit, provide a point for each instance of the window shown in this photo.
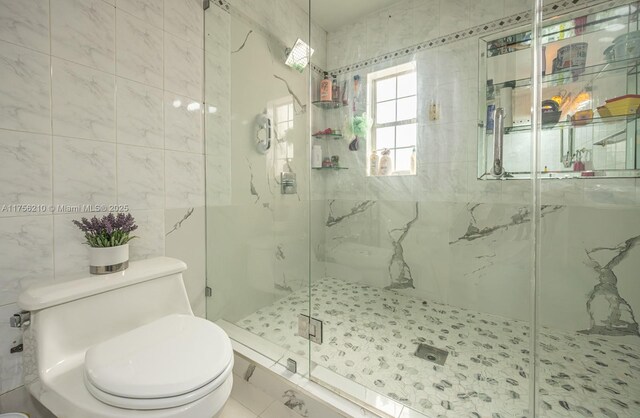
(393, 104)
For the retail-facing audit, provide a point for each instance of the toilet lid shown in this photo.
(171, 356)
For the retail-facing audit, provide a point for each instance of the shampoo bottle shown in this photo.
(326, 88)
(386, 165)
(316, 156)
(373, 166)
(335, 90)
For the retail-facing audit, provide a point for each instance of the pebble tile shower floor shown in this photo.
(371, 335)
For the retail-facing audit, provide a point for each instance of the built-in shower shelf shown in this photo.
(328, 136)
(323, 104)
(569, 124)
(330, 168)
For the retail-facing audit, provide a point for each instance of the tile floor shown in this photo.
(371, 335)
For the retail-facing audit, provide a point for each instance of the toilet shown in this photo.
(124, 345)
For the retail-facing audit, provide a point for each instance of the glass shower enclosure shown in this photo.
(431, 207)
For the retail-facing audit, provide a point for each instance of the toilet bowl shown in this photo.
(125, 345)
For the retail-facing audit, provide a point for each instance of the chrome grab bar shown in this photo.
(498, 141)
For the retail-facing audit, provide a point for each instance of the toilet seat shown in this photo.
(170, 362)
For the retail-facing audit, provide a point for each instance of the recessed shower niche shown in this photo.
(589, 98)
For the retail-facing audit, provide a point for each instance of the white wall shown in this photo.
(94, 109)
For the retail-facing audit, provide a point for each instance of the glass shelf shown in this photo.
(328, 136)
(589, 74)
(330, 168)
(323, 104)
(569, 124)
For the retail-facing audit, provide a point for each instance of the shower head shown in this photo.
(298, 57)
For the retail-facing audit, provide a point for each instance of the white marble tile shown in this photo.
(183, 67)
(234, 409)
(84, 172)
(139, 51)
(25, 89)
(447, 182)
(83, 102)
(411, 413)
(184, 19)
(140, 177)
(184, 180)
(25, 23)
(185, 240)
(72, 254)
(250, 396)
(25, 171)
(427, 15)
(10, 363)
(218, 30)
(562, 191)
(609, 192)
(516, 6)
(83, 31)
(150, 234)
(218, 181)
(21, 400)
(26, 254)
(151, 11)
(140, 114)
(182, 124)
(454, 15)
(483, 11)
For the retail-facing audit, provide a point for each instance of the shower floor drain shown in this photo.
(432, 354)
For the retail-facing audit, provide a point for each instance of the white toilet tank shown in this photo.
(70, 316)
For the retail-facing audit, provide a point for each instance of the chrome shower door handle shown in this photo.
(498, 144)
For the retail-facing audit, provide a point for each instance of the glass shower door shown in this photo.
(422, 275)
(588, 256)
(256, 159)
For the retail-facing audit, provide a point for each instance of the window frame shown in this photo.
(389, 73)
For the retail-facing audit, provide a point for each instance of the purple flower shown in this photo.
(109, 230)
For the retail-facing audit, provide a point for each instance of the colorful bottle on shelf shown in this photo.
(326, 88)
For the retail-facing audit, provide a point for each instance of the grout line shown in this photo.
(51, 149)
(115, 102)
(27, 47)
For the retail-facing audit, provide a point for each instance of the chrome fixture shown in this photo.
(432, 354)
(20, 320)
(288, 183)
(298, 57)
(498, 144)
(310, 328)
(292, 366)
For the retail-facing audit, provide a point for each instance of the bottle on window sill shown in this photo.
(386, 164)
(413, 162)
(373, 164)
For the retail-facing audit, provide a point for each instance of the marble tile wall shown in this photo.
(100, 103)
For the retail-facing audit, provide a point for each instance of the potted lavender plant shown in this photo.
(108, 239)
